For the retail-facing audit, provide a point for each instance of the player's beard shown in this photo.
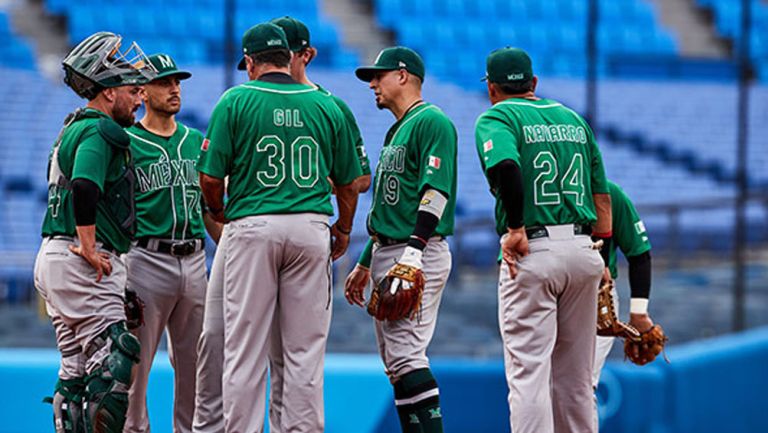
(169, 109)
(124, 115)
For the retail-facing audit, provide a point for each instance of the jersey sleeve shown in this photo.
(495, 141)
(365, 163)
(598, 180)
(346, 166)
(92, 158)
(629, 232)
(217, 148)
(437, 143)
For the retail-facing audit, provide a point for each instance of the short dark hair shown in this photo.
(515, 88)
(280, 57)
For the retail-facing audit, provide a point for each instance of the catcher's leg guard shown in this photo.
(67, 404)
(106, 392)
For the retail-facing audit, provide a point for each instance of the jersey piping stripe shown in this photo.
(285, 92)
(528, 104)
(408, 120)
(183, 189)
(162, 149)
(417, 398)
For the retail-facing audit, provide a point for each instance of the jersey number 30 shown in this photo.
(546, 190)
(304, 153)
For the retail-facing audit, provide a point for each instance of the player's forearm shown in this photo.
(213, 227)
(603, 227)
(363, 183)
(213, 194)
(346, 199)
(366, 254)
(87, 237)
(639, 282)
(431, 208)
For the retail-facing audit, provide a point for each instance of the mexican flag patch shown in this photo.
(206, 142)
(434, 161)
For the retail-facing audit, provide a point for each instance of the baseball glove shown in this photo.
(647, 348)
(608, 324)
(391, 301)
(134, 309)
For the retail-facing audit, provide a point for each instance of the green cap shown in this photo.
(296, 32)
(262, 37)
(508, 65)
(166, 66)
(393, 58)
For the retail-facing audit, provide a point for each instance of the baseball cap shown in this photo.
(296, 32)
(393, 58)
(262, 37)
(166, 66)
(508, 65)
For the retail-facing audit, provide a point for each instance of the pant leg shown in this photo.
(574, 353)
(528, 323)
(155, 281)
(209, 410)
(251, 263)
(276, 372)
(85, 306)
(403, 343)
(603, 347)
(305, 316)
(184, 325)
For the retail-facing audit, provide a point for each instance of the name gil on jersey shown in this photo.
(554, 133)
(165, 174)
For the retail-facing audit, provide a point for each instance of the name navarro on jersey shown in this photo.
(165, 174)
(554, 133)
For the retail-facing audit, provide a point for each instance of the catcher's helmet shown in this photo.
(97, 63)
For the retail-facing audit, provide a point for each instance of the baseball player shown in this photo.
(208, 415)
(167, 266)
(88, 224)
(278, 141)
(630, 236)
(546, 173)
(411, 213)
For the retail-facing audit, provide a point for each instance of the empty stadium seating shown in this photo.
(15, 52)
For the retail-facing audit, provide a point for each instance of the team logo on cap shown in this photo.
(273, 42)
(401, 64)
(515, 77)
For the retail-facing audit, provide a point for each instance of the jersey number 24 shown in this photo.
(549, 188)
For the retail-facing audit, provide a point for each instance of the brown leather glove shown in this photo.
(398, 296)
(648, 347)
(608, 324)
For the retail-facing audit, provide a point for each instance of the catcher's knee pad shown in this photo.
(67, 404)
(106, 391)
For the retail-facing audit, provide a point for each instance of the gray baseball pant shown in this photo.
(403, 343)
(79, 307)
(547, 320)
(603, 347)
(173, 291)
(276, 265)
(209, 409)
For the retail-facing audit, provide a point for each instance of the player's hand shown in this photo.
(339, 242)
(642, 322)
(355, 285)
(606, 275)
(99, 261)
(514, 246)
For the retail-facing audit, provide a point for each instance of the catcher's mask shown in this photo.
(97, 63)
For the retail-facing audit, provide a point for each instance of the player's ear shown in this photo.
(110, 93)
(534, 83)
(310, 55)
(492, 91)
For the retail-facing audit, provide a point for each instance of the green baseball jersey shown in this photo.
(167, 186)
(628, 229)
(559, 160)
(362, 155)
(419, 152)
(84, 154)
(278, 143)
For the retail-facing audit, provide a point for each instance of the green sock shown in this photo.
(418, 403)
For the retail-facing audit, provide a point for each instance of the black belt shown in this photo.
(537, 232)
(386, 241)
(174, 248)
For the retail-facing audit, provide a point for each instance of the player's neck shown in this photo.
(527, 95)
(100, 104)
(159, 124)
(405, 103)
